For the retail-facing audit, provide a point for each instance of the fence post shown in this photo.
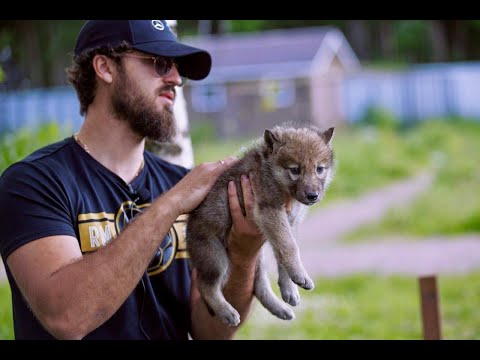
(430, 308)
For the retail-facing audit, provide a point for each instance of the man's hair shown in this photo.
(81, 73)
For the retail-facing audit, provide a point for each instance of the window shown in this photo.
(209, 97)
(276, 94)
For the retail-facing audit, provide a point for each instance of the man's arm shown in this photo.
(72, 294)
(244, 243)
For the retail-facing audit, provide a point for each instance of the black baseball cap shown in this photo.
(150, 36)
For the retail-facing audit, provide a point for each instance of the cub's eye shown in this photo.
(320, 169)
(295, 170)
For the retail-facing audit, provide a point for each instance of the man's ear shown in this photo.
(102, 65)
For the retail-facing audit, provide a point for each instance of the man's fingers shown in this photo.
(226, 163)
(195, 293)
(247, 195)
(233, 202)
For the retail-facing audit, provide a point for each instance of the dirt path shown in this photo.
(394, 256)
(323, 256)
(327, 224)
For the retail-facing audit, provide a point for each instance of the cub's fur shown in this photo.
(291, 169)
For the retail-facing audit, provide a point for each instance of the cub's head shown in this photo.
(302, 160)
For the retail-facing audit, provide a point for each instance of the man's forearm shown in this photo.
(238, 292)
(88, 292)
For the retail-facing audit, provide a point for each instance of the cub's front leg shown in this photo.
(288, 289)
(274, 224)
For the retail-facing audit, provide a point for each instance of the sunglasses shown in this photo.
(162, 65)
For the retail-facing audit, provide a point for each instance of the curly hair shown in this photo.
(81, 73)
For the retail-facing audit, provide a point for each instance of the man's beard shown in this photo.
(139, 112)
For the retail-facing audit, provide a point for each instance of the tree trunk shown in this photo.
(180, 150)
(439, 41)
(31, 58)
(357, 33)
(386, 39)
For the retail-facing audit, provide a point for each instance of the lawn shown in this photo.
(451, 205)
(372, 307)
(353, 307)
(366, 158)
(6, 324)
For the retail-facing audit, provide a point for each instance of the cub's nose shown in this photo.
(311, 196)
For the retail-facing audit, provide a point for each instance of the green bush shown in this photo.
(18, 145)
(202, 132)
(380, 118)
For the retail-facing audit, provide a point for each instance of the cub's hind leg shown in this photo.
(264, 293)
(213, 270)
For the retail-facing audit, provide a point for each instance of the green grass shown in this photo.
(451, 205)
(371, 307)
(353, 307)
(366, 159)
(6, 322)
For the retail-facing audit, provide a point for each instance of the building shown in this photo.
(262, 79)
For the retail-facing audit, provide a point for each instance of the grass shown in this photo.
(450, 206)
(6, 322)
(362, 306)
(366, 159)
(371, 307)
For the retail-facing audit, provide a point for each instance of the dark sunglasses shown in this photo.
(161, 64)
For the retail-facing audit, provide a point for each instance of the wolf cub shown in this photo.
(291, 168)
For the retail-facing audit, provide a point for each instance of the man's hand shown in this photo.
(245, 239)
(188, 193)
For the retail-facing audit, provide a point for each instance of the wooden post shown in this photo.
(430, 308)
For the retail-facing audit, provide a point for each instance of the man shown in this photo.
(93, 226)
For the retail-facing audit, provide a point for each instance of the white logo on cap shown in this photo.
(157, 24)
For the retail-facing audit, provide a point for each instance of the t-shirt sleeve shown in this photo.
(33, 205)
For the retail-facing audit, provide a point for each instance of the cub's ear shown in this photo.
(271, 139)
(328, 135)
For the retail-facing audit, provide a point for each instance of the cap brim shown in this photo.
(193, 63)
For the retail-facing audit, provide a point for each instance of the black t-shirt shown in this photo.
(61, 190)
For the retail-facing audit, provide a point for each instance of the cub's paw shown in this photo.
(303, 281)
(290, 295)
(284, 313)
(229, 317)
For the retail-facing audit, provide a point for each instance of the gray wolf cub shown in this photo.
(291, 168)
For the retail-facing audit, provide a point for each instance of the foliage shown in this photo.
(373, 40)
(412, 40)
(16, 146)
(371, 307)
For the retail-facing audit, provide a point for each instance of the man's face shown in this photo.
(141, 110)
